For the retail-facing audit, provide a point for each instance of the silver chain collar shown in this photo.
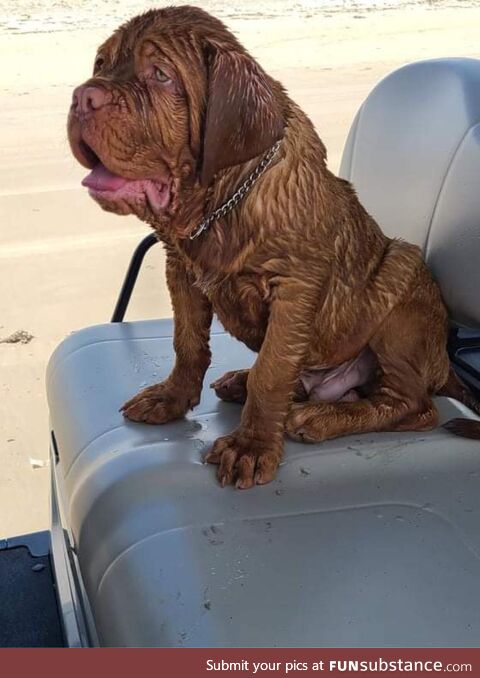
(240, 193)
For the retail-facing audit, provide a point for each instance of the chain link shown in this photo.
(240, 193)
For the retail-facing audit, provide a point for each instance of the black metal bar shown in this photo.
(452, 341)
(457, 343)
(469, 342)
(469, 377)
(131, 277)
(458, 360)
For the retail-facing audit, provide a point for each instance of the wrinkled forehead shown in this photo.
(184, 30)
(123, 43)
(172, 35)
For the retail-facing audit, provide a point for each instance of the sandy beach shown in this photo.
(61, 258)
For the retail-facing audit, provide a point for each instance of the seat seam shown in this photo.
(442, 186)
(286, 514)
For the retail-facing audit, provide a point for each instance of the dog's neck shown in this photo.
(242, 190)
(224, 247)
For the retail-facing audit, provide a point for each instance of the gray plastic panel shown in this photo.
(413, 157)
(370, 540)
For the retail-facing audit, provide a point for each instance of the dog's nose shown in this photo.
(88, 98)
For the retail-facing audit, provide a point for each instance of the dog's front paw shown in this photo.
(157, 404)
(244, 461)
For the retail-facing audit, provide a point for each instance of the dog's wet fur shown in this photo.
(349, 325)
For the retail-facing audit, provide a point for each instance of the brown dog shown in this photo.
(347, 322)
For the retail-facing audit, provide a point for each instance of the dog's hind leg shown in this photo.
(315, 422)
(419, 421)
(400, 400)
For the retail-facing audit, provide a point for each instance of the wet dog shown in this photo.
(182, 127)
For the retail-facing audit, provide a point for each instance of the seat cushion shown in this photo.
(413, 155)
(370, 540)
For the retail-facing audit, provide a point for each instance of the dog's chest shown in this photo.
(242, 304)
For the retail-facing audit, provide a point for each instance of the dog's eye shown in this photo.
(99, 61)
(161, 76)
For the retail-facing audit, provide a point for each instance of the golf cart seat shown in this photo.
(368, 540)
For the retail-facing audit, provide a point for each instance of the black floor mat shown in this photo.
(28, 607)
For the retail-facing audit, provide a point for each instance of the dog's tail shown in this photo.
(455, 388)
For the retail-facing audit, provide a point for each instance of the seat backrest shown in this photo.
(413, 155)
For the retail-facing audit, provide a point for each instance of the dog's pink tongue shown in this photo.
(101, 179)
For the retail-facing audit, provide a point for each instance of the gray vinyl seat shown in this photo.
(413, 154)
(370, 540)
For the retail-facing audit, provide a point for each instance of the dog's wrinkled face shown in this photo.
(173, 99)
(130, 123)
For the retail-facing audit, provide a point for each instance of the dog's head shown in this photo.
(174, 99)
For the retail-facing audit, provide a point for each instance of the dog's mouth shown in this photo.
(106, 186)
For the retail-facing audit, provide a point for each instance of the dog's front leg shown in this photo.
(251, 454)
(181, 391)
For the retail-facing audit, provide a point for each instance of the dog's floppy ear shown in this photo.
(244, 116)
